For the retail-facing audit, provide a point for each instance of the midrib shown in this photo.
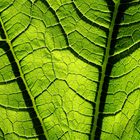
(104, 66)
(22, 77)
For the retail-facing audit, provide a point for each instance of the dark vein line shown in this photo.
(84, 18)
(129, 50)
(8, 6)
(104, 66)
(21, 74)
(69, 48)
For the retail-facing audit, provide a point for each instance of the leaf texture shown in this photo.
(69, 69)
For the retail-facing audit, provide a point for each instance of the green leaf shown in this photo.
(69, 69)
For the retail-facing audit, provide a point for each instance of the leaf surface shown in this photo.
(69, 69)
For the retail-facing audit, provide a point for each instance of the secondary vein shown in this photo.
(22, 76)
(104, 66)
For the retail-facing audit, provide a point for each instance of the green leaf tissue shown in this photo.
(69, 69)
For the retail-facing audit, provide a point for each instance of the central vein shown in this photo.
(104, 66)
